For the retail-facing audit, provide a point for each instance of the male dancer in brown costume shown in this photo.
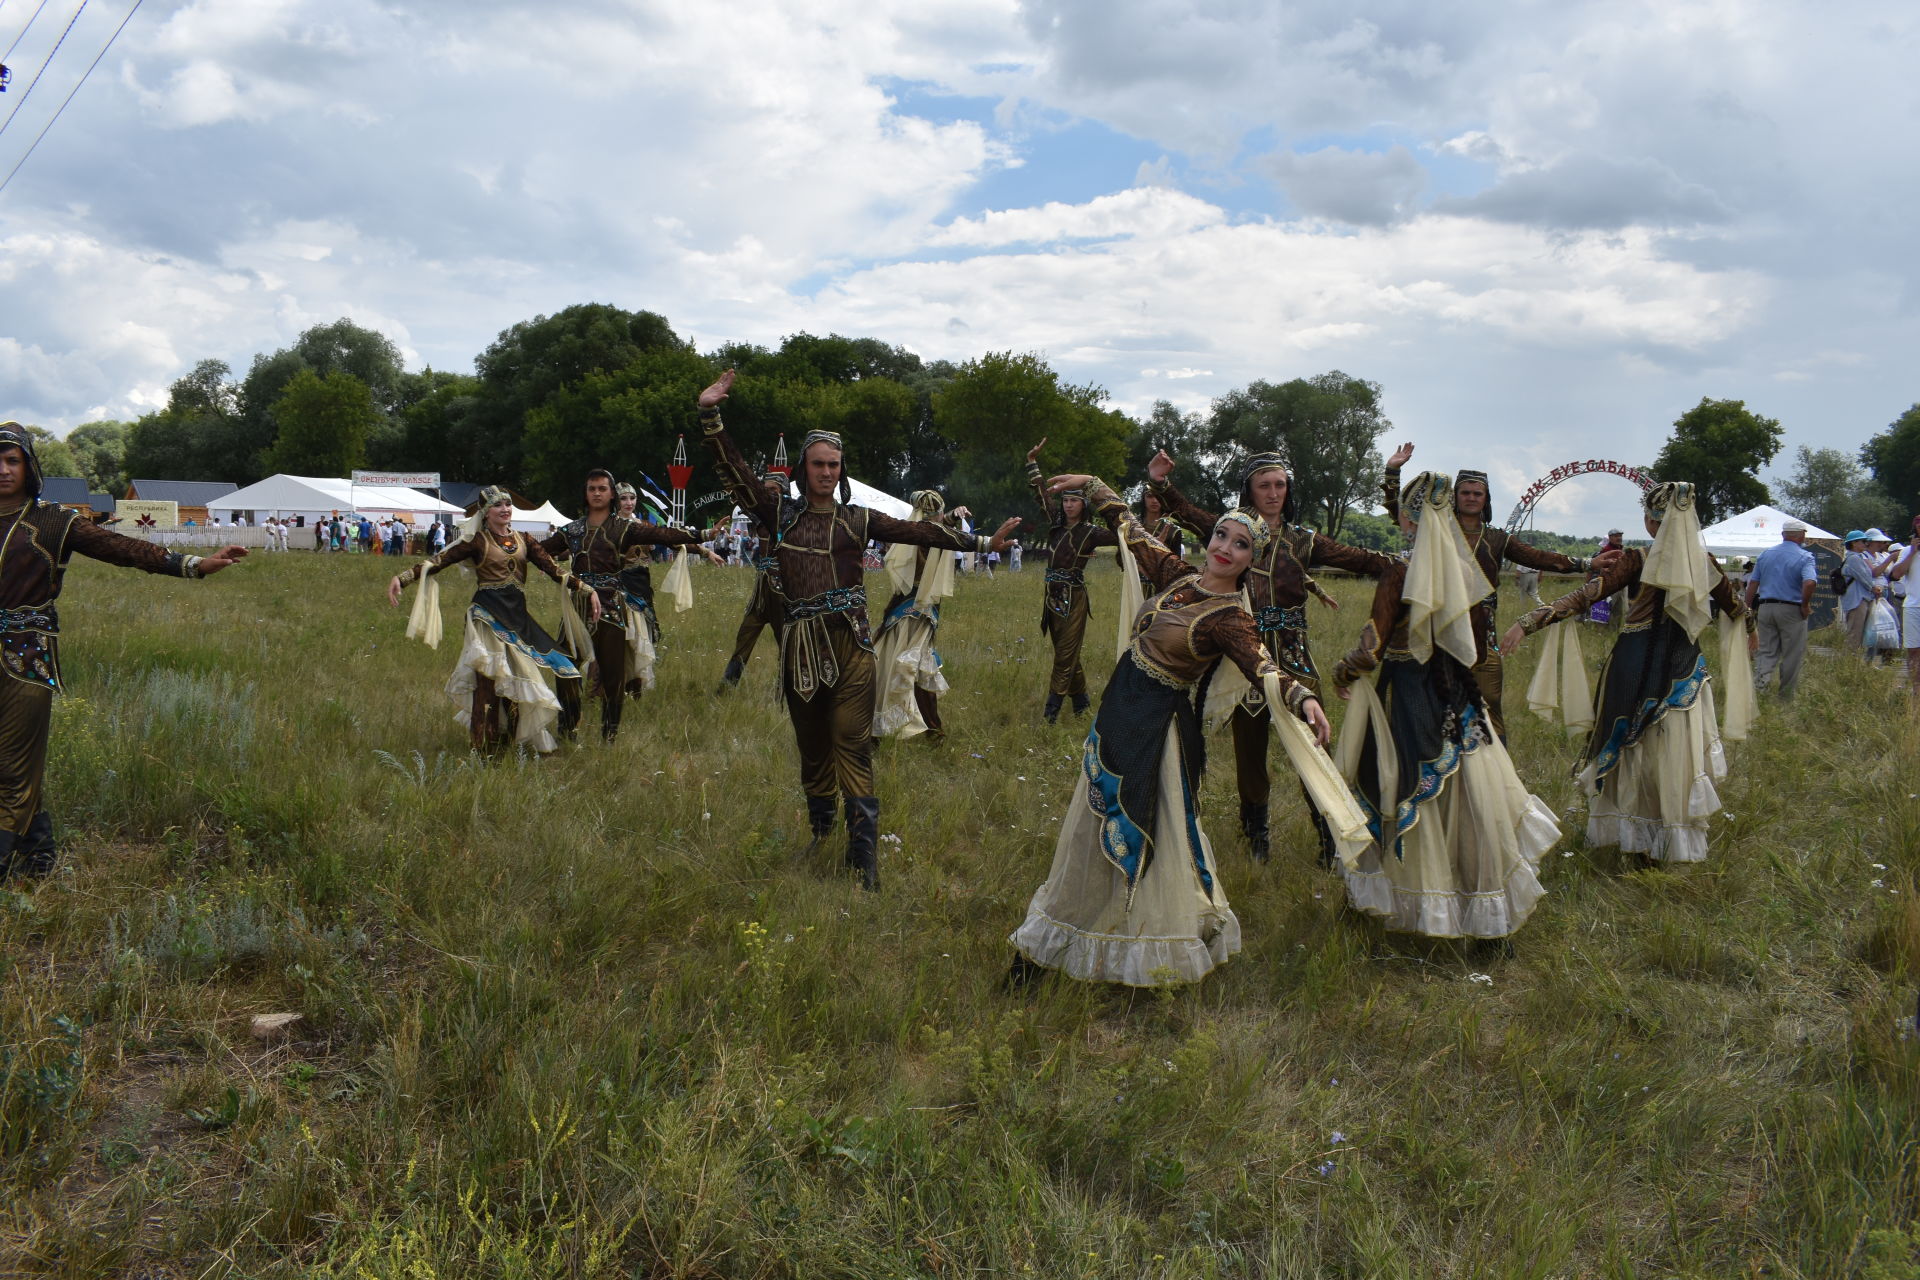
(599, 546)
(1072, 538)
(826, 648)
(36, 541)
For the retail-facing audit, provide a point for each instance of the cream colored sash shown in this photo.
(1363, 710)
(1326, 788)
(679, 583)
(1560, 688)
(423, 624)
(1736, 676)
(1131, 598)
(573, 628)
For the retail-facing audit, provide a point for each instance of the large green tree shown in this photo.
(1184, 437)
(626, 420)
(530, 363)
(1894, 458)
(52, 453)
(1002, 404)
(366, 355)
(100, 449)
(322, 424)
(200, 435)
(1834, 491)
(1719, 446)
(1326, 426)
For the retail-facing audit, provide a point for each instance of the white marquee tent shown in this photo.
(316, 497)
(538, 520)
(1751, 532)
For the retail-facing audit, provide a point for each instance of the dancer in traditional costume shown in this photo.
(37, 539)
(636, 584)
(1134, 894)
(1072, 538)
(1277, 588)
(908, 680)
(763, 605)
(1492, 547)
(599, 547)
(1654, 753)
(500, 682)
(1160, 526)
(826, 648)
(1457, 839)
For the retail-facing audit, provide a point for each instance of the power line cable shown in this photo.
(43, 67)
(23, 33)
(70, 95)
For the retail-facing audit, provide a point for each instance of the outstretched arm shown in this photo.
(747, 492)
(1174, 502)
(108, 547)
(1232, 630)
(1617, 576)
(1371, 647)
(1161, 566)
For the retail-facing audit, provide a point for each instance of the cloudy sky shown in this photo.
(1545, 228)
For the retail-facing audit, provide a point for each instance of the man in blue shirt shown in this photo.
(1780, 594)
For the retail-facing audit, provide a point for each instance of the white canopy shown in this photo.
(1751, 532)
(317, 496)
(538, 520)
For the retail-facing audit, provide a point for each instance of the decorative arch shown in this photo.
(1567, 471)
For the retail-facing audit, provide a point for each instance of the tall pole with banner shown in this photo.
(780, 457)
(678, 474)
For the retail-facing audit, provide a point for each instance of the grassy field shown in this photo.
(586, 1016)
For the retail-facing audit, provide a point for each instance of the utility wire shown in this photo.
(76, 89)
(43, 66)
(23, 33)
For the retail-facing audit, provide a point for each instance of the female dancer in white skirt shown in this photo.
(1456, 837)
(907, 668)
(1654, 753)
(1134, 895)
(505, 656)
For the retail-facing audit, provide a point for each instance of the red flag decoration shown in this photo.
(678, 471)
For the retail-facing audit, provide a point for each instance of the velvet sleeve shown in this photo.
(1160, 565)
(1623, 573)
(1367, 652)
(108, 547)
(1175, 504)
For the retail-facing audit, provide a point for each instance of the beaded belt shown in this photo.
(767, 564)
(1073, 577)
(30, 618)
(600, 581)
(836, 600)
(1275, 617)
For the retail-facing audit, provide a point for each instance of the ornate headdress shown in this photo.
(1461, 477)
(1268, 460)
(12, 433)
(1427, 490)
(927, 504)
(625, 490)
(1668, 495)
(1254, 524)
(829, 438)
(490, 496)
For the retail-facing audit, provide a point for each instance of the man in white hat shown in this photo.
(1780, 594)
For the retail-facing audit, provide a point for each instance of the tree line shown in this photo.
(596, 385)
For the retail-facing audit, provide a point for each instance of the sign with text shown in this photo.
(399, 479)
(143, 513)
(1567, 471)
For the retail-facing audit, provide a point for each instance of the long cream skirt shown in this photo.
(1658, 798)
(1175, 931)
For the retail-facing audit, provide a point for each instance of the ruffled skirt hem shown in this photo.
(517, 677)
(1132, 961)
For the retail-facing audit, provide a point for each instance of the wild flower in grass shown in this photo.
(1483, 979)
(1338, 1138)
(1325, 1168)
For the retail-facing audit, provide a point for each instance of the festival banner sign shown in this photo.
(400, 479)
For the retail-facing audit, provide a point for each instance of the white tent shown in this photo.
(1752, 532)
(317, 497)
(540, 519)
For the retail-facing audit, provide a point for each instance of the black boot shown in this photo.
(1052, 713)
(36, 853)
(8, 841)
(1325, 832)
(1023, 974)
(819, 821)
(731, 676)
(1080, 704)
(863, 837)
(1253, 821)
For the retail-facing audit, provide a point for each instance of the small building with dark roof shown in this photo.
(192, 496)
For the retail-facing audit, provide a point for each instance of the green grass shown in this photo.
(586, 1016)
